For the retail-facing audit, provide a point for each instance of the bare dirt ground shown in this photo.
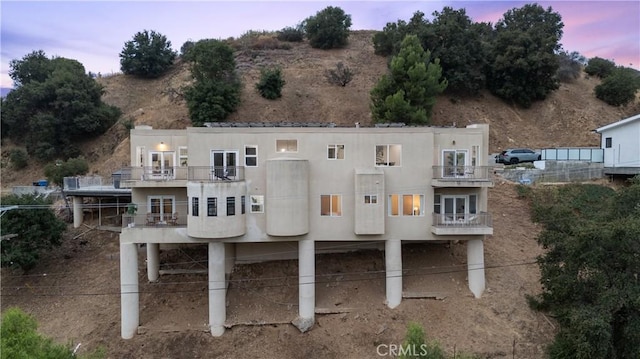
(74, 294)
(74, 291)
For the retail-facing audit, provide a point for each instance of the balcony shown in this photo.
(178, 176)
(453, 224)
(462, 176)
(154, 220)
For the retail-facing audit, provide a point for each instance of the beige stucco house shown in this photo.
(248, 190)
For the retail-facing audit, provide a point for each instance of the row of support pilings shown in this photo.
(130, 298)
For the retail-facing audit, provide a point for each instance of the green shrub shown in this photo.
(271, 83)
(149, 54)
(328, 29)
(620, 87)
(20, 340)
(340, 76)
(56, 172)
(18, 158)
(600, 67)
(291, 34)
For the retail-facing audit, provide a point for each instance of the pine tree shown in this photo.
(408, 93)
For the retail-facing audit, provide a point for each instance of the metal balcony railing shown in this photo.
(462, 173)
(149, 173)
(154, 220)
(481, 219)
(216, 173)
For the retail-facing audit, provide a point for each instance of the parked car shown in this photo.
(517, 155)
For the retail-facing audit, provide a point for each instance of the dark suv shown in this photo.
(517, 155)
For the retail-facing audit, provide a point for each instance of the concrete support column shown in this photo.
(306, 284)
(393, 265)
(230, 257)
(475, 266)
(77, 211)
(217, 289)
(129, 295)
(153, 261)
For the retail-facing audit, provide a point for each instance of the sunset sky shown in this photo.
(94, 32)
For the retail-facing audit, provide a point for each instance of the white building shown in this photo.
(247, 191)
(621, 143)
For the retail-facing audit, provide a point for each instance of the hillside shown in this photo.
(566, 118)
(74, 291)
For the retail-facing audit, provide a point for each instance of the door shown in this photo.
(224, 164)
(460, 208)
(453, 162)
(454, 208)
(161, 208)
(162, 164)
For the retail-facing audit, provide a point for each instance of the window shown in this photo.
(183, 156)
(370, 199)
(406, 205)
(212, 206)
(251, 156)
(195, 210)
(453, 163)
(287, 145)
(331, 205)
(436, 204)
(257, 204)
(608, 142)
(335, 152)
(388, 155)
(242, 204)
(231, 206)
(457, 207)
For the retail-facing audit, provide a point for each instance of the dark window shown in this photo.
(242, 204)
(212, 206)
(195, 204)
(607, 142)
(231, 206)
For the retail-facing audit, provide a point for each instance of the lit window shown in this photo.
(331, 205)
(388, 155)
(335, 152)
(370, 199)
(212, 206)
(287, 145)
(183, 156)
(231, 206)
(406, 205)
(195, 206)
(257, 204)
(251, 156)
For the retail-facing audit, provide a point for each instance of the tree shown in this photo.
(589, 272)
(36, 226)
(407, 94)
(328, 29)
(215, 94)
(460, 45)
(620, 87)
(149, 54)
(271, 83)
(524, 59)
(56, 172)
(54, 105)
(600, 67)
